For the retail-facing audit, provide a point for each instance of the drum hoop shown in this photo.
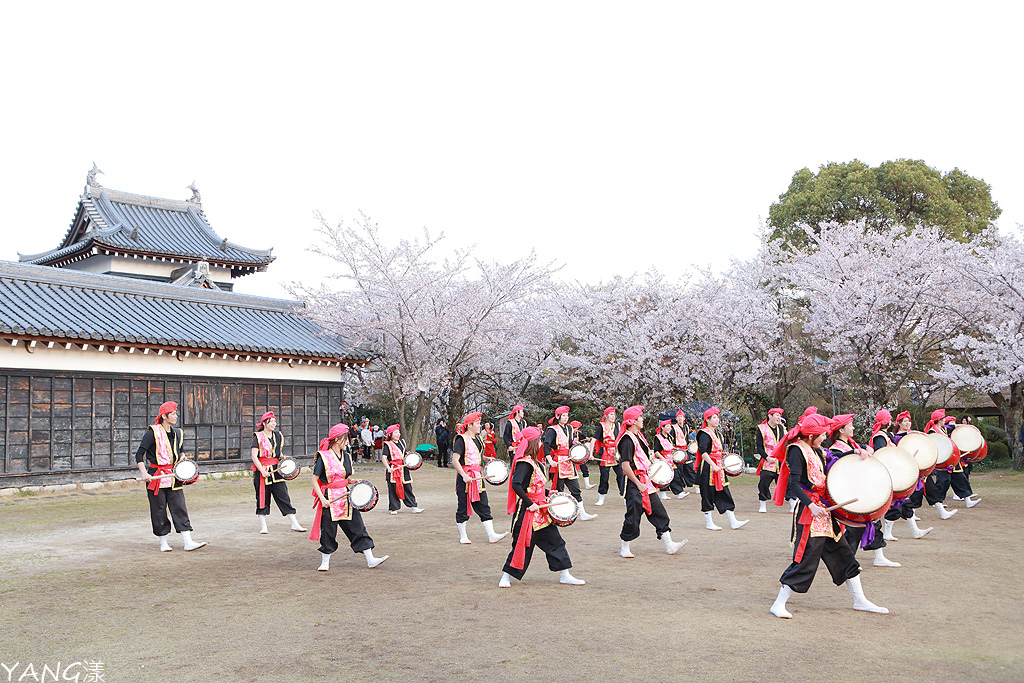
(559, 498)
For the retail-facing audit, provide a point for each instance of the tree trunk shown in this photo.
(1012, 410)
(422, 405)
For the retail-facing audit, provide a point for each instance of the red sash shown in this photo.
(397, 472)
(640, 460)
(717, 478)
(536, 494)
(154, 484)
(318, 505)
(559, 455)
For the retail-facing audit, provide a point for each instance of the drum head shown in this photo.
(563, 509)
(579, 453)
(361, 494)
(660, 473)
(866, 480)
(967, 438)
(413, 460)
(186, 470)
(732, 464)
(692, 447)
(496, 472)
(288, 468)
(679, 456)
(922, 448)
(945, 447)
(902, 468)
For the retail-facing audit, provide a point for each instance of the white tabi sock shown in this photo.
(972, 501)
(671, 548)
(600, 499)
(325, 562)
(779, 606)
(882, 561)
(295, 523)
(710, 523)
(263, 524)
(372, 561)
(165, 547)
(584, 515)
(624, 550)
(887, 530)
(859, 601)
(565, 577)
(916, 530)
(943, 512)
(189, 543)
(506, 580)
(492, 535)
(733, 522)
(463, 537)
(763, 507)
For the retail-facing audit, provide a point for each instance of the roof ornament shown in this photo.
(223, 244)
(90, 180)
(203, 269)
(134, 234)
(196, 198)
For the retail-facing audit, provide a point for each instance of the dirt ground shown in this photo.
(82, 580)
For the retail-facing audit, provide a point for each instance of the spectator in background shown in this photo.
(366, 438)
(443, 442)
(378, 441)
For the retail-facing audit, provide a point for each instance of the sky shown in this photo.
(610, 137)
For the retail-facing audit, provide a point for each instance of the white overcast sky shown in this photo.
(590, 131)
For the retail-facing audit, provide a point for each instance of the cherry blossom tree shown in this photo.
(434, 315)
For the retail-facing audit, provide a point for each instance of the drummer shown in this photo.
(399, 477)
(881, 437)
(866, 537)
(469, 485)
(331, 471)
(937, 484)
(558, 438)
(579, 440)
(768, 434)
(158, 453)
(663, 448)
(684, 476)
(817, 534)
(527, 483)
(635, 458)
(604, 448)
(266, 453)
(958, 473)
(714, 486)
(515, 424)
(489, 439)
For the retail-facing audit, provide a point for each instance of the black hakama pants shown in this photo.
(394, 502)
(480, 507)
(168, 500)
(710, 497)
(546, 538)
(855, 534)
(764, 484)
(837, 555)
(658, 517)
(571, 483)
(620, 479)
(278, 491)
(354, 530)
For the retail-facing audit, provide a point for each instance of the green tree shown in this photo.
(902, 192)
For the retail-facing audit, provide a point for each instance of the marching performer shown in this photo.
(489, 439)
(469, 482)
(714, 485)
(684, 476)
(399, 478)
(867, 537)
(266, 453)
(159, 451)
(578, 439)
(768, 434)
(515, 424)
(604, 448)
(331, 471)
(557, 439)
(817, 535)
(634, 456)
(881, 437)
(958, 473)
(937, 483)
(663, 447)
(531, 526)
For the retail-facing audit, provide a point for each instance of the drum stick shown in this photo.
(840, 505)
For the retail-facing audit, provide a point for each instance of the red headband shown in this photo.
(471, 418)
(680, 412)
(560, 410)
(775, 411)
(266, 416)
(663, 423)
(575, 424)
(904, 414)
(514, 410)
(391, 430)
(840, 421)
(165, 409)
(707, 415)
(937, 417)
(608, 411)
(882, 418)
(631, 414)
(336, 431)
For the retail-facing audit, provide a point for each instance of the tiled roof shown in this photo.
(149, 225)
(59, 303)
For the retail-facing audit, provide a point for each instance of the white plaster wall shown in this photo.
(102, 264)
(122, 362)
